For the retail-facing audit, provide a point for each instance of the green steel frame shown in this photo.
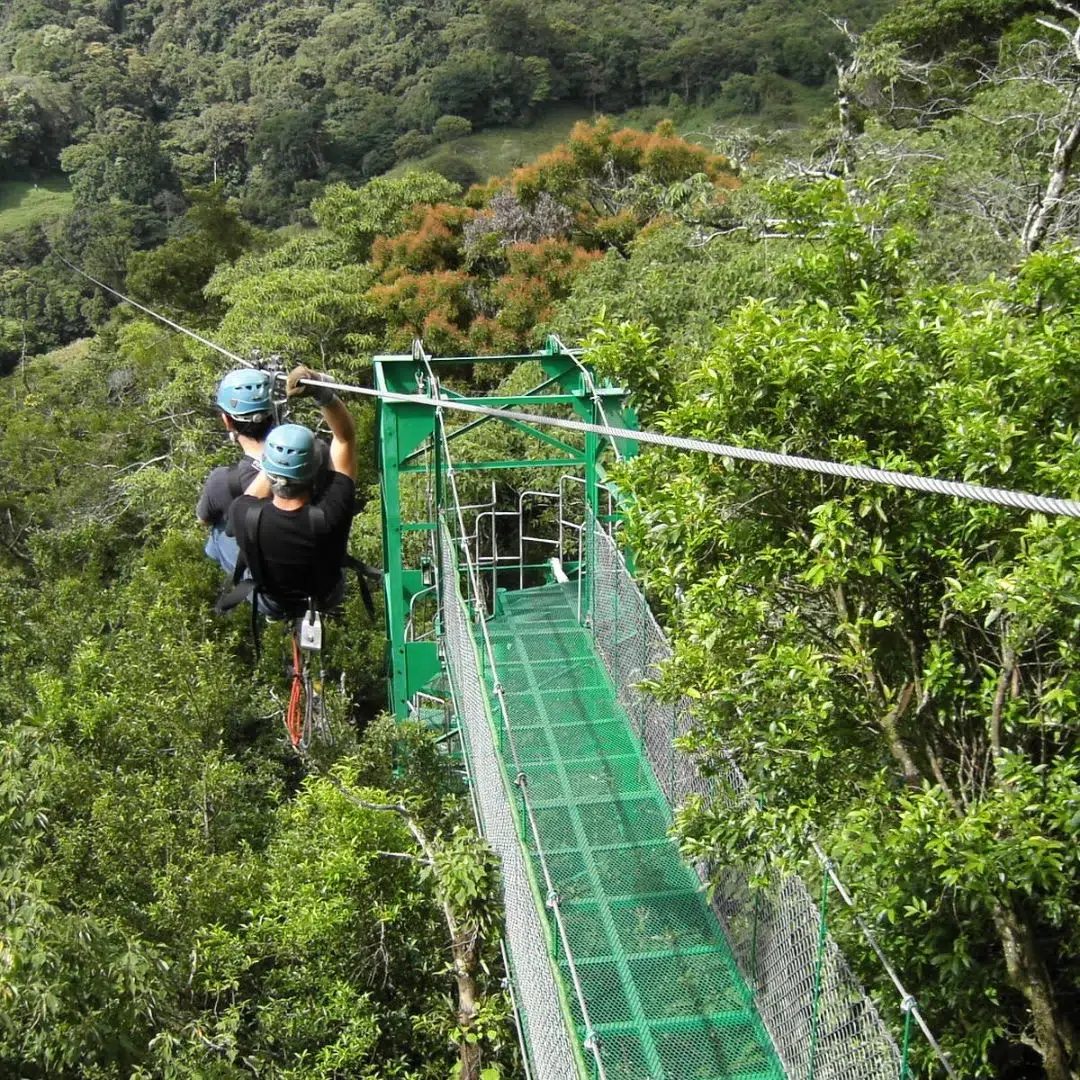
(407, 445)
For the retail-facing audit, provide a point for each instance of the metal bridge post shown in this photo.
(402, 427)
(815, 1004)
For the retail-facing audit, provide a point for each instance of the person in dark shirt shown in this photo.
(243, 396)
(295, 541)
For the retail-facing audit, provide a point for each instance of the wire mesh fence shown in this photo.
(529, 948)
(822, 1023)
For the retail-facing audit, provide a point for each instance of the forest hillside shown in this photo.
(182, 895)
(131, 102)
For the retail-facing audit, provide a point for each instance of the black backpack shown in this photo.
(323, 476)
(250, 559)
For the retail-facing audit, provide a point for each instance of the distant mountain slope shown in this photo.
(272, 96)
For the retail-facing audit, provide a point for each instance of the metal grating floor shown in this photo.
(662, 988)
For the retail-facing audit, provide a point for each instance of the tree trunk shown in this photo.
(845, 78)
(1055, 1035)
(1043, 209)
(469, 1052)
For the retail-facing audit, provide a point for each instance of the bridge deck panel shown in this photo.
(662, 988)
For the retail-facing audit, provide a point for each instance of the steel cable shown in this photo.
(153, 314)
(957, 489)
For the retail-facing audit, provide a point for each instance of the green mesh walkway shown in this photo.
(661, 986)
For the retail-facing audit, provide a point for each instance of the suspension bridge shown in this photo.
(516, 627)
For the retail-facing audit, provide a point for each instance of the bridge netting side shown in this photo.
(565, 753)
(822, 1023)
(529, 941)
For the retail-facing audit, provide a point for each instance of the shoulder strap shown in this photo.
(249, 588)
(236, 485)
(250, 543)
(364, 573)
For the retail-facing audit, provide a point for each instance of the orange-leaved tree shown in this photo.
(484, 276)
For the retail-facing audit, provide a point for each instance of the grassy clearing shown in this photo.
(24, 203)
(696, 122)
(495, 152)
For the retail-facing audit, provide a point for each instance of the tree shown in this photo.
(357, 216)
(447, 128)
(1015, 123)
(465, 85)
(891, 671)
(412, 144)
(20, 129)
(125, 162)
(176, 273)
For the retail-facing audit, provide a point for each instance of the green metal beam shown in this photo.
(525, 463)
(407, 444)
(465, 428)
(541, 436)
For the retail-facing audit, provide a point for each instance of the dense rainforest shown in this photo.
(134, 101)
(896, 284)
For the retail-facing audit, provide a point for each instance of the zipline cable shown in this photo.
(1021, 500)
(154, 315)
(957, 489)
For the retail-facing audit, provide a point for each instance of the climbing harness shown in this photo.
(305, 716)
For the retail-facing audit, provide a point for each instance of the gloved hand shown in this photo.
(294, 388)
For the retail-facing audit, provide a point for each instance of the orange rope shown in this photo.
(294, 721)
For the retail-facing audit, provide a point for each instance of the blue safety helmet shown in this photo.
(245, 392)
(289, 453)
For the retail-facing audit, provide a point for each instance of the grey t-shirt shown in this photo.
(222, 486)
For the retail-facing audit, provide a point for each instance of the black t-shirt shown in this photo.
(301, 554)
(221, 488)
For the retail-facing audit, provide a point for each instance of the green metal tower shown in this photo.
(408, 446)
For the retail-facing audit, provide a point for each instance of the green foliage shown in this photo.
(449, 127)
(267, 95)
(176, 273)
(931, 25)
(179, 901)
(892, 671)
(357, 216)
(125, 162)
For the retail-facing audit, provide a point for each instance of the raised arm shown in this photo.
(337, 417)
(343, 445)
(259, 488)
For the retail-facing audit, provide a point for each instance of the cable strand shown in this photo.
(153, 314)
(1021, 500)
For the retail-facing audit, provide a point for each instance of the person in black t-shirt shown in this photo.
(243, 396)
(295, 542)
